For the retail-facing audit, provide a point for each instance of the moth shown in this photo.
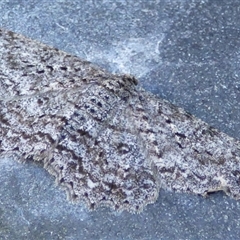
(105, 139)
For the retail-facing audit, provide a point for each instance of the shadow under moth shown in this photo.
(105, 139)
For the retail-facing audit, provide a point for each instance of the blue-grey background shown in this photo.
(187, 51)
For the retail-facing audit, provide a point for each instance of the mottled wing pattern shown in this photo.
(189, 155)
(100, 161)
(107, 141)
(71, 116)
(34, 90)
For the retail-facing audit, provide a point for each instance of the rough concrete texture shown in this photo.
(185, 51)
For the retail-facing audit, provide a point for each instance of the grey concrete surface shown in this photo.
(185, 51)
